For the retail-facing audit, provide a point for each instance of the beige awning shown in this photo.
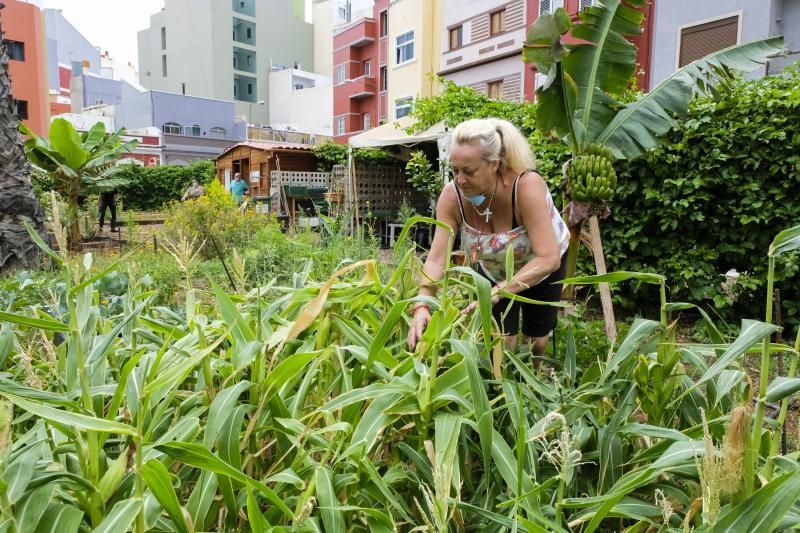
(393, 134)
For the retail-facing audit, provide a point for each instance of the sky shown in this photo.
(111, 25)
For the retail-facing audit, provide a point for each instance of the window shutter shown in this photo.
(703, 39)
(538, 80)
(555, 5)
(584, 4)
(544, 7)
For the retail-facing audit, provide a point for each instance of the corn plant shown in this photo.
(299, 408)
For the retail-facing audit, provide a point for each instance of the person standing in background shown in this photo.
(108, 200)
(238, 188)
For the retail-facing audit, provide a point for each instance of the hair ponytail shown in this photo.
(499, 140)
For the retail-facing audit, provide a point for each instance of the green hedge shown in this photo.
(149, 188)
(713, 197)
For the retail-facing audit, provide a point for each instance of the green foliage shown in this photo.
(711, 198)
(214, 215)
(297, 406)
(457, 103)
(330, 154)
(77, 165)
(580, 98)
(150, 188)
(423, 176)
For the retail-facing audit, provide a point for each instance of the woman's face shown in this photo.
(472, 173)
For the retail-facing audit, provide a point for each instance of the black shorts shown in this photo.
(535, 320)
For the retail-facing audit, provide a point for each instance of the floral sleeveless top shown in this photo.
(489, 249)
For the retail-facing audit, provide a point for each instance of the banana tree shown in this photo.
(79, 164)
(579, 99)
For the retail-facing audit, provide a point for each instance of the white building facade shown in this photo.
(481, 45)
(225, 50)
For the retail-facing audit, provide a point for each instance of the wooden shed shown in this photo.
(256, 160)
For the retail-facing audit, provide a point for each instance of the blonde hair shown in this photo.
(498, 140)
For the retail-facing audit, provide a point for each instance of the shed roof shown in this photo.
(268, 146)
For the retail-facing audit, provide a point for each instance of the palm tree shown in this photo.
(18, 203)
(78, 164)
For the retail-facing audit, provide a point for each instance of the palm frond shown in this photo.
(638, 125)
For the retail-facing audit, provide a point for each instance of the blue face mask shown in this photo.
(477, 199)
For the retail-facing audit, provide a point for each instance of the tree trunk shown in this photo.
(18, 203)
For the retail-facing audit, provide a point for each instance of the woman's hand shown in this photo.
(419, 321)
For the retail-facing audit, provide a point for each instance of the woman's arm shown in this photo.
(433, 270)
(447, 212)
(535, 215)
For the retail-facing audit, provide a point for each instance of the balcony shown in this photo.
(361, 87)
(358, 34)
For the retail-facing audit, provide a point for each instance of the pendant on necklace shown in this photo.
(486, 214)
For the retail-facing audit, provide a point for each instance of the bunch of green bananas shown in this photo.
(592, 175)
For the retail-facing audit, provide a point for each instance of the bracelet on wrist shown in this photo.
(419, 305)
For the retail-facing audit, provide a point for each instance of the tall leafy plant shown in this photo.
(79, 164)
(580, 97)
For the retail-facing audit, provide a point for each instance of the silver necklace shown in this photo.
(488, 211)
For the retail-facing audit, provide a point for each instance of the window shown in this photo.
(249, 33)
(367, 121)
(384, 78)
(196, 130)
(402, 106)
(586, 3)
(340, 74)
(549, 6)
(497, 22)
(404, 47)
(217, 132)
(22, 109)
(703, 39)
(16, 50)
(384, 23)
(340, 129)
(249, 88)
(163, 38)
(367, 68)
(172, 128)
(249, 60)
(495, 89)
(183, 88)
(456, 35)
(164, 66)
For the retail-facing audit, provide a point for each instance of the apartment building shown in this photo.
(686, 30)
(481, 46)
(23, 27)
(643, 42)
(225, 50)
(383, 63)
(68, 53)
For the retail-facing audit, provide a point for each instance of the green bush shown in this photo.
(150, 188)
(330, 154)
(216, 215)
(712, 198)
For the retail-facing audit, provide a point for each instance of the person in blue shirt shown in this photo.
(238, 188)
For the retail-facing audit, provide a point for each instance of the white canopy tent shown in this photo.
(394, 134)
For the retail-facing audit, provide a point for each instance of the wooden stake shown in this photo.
(282, 191)
(605, 290)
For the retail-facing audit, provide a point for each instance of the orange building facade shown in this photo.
(23, 31)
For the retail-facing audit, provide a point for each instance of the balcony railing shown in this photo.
(359, 34)
(361, 87)
(261, 133)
